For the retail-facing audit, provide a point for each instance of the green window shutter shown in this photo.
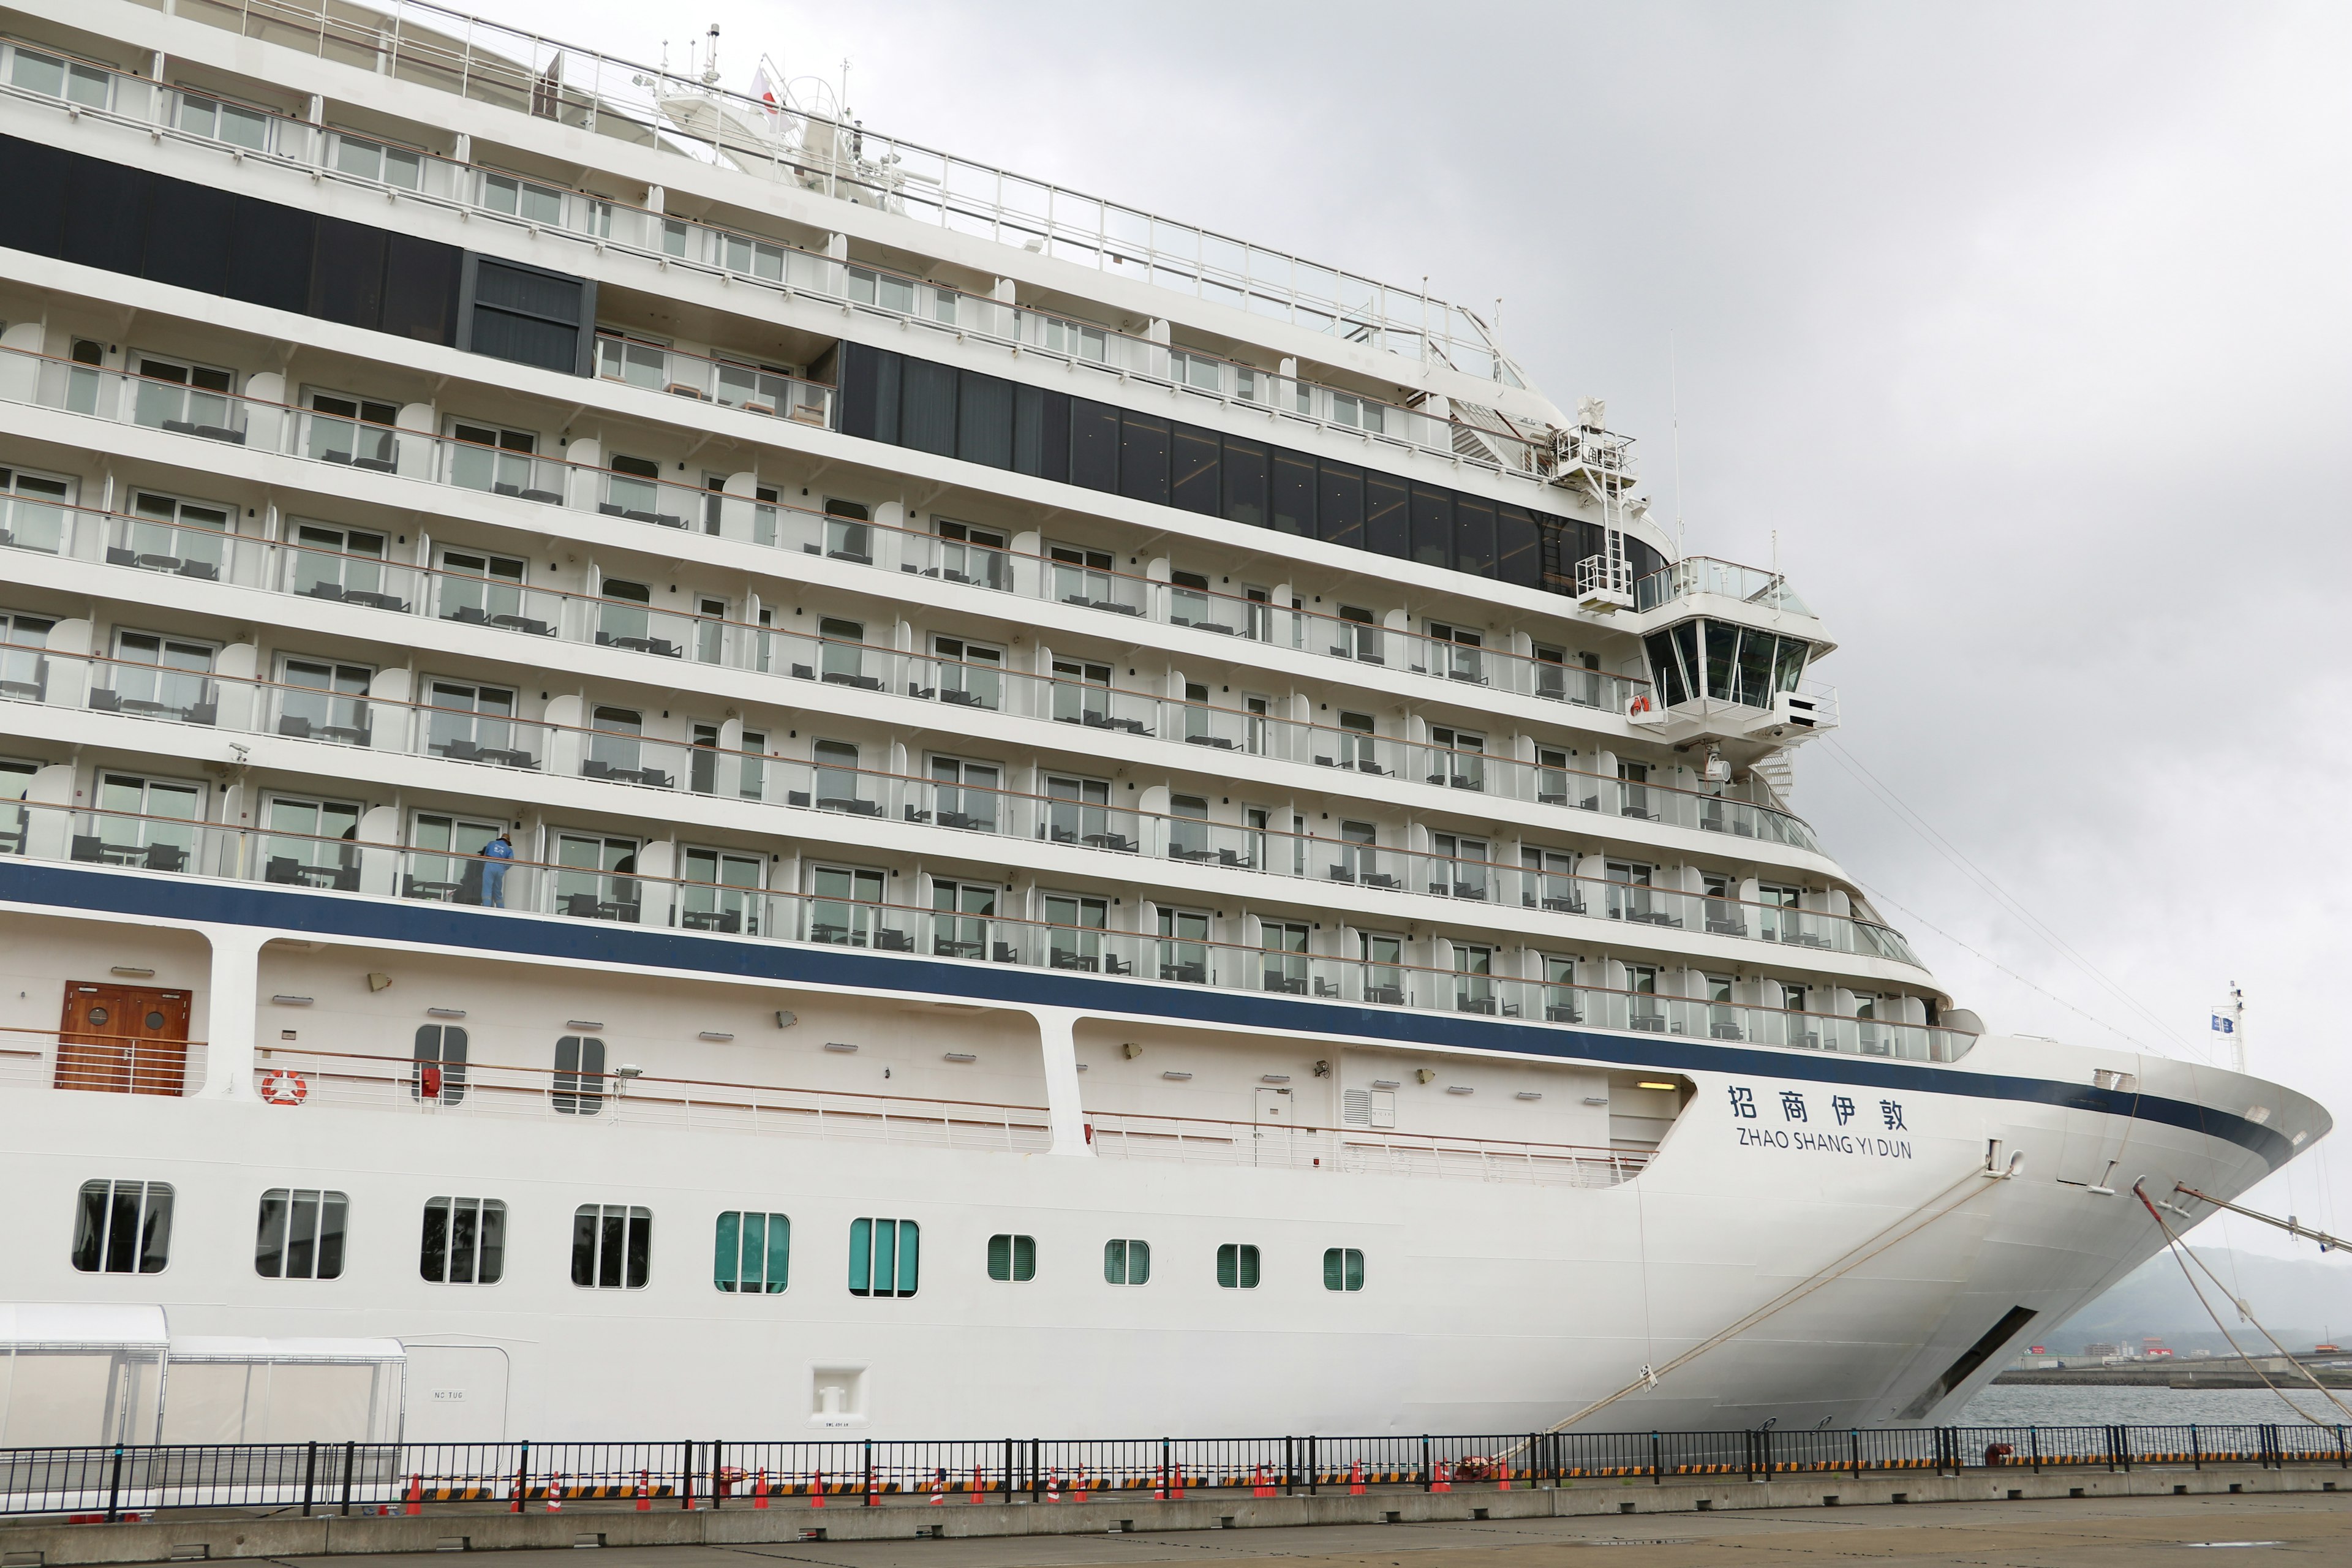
(726, 1248)
(1139, 1263)
(1334, 1270)
(1249, 1267)
(1114, 1263)
(1229, 1265)
(1355, 1269)
(1024, 1257)
(1000, 1257)
(910, 1246)
(861, 1257)
(780, 1252)
(886, 1256)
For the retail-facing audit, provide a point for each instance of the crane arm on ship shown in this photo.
(2290, 1225)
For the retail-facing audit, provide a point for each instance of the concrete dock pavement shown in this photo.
(2052, 1533)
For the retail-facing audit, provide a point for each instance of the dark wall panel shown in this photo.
(1432, 526)
(1028, 429)
(420, 289)
(927, 407)
(1519, 547)
(1294, 493)
(1473, 535)
(1244, 476)
(984, 420)
(271, 265)
(190, 235)
(41, 179)
(861, 378)
(106, 217)
(1054, 439)
(1386, 518)
(1340, 506)
(1143, 457)
(1193, 474)
(1094, 444)
(347, 274)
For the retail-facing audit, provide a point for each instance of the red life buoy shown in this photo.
(1640, 705)
(285, 1088)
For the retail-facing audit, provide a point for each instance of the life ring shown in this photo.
(285, 1088)
(1639, 705)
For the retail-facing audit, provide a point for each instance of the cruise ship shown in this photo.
(675, 768)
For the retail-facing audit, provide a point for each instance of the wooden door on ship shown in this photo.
(115, 1039)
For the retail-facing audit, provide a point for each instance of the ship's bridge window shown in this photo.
(884, 1256)
(1127, 1262)
(54, 77)
(366, 160)
(1237, 1267)
(301, 1234)
(1724, 662)
(464, 1241)
(33, 511)
(752, 1253)
(1012, 1259)
(122, 1228)
(1343, 1269)
(612, 1247)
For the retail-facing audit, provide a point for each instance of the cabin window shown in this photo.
(1343, 1269)
(464, 1242)
(579, 1084)
(612, 1247)
(884, 1256)
(1013, 1257)
(1237, 1267)
(123, 1228)
(1127, 1262)
(300, 1234)
(752, 1253)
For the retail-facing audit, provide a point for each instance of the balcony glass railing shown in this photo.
(1704, 574)
(475, 725)
(531, 477)
(372, 582)
(524, 885)
(1408, 324)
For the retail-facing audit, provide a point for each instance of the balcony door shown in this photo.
(117, 1040)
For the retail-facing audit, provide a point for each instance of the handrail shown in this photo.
(959, 936)
(1513, 454)
(1000, 810)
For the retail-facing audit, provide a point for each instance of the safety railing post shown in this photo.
(2033, 1440)
(1289, 1465)
(114, 1489)
(1034, 1470)
(351, 1458)
(869, 1472)
(2196, 1448)
(1428, 1476)
(1855, 1439)
(1314, 1461)
(717, 1476)
(310, 1474)
(685, 1475)
(1657, 1459)
(1168, 1486)
(1008, 1470)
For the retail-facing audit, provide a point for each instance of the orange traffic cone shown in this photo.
(415, 1494)
(938, 1486)
(760, 1490)
(979, 1482)
(1259, 1485)
(1053, 1485)
(1159, 1492)
(1356, 1479)
(1503, 1472)
(645, 1494)
(1438, 1483)
(817, 1491)
(555, 1492)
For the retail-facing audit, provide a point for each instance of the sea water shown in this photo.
(2043, 1405)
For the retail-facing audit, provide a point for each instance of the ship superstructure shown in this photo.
(677, 761)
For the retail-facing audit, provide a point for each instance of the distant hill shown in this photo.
(2304, 1302)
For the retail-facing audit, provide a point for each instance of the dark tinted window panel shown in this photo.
(1294, 493)
(272, 263)
(1143, 457)
(1339, 508)
(1054, 441)
(1641, 559)
(105, 220)
(984, 420)
(191, 230)
(1387, 529)
(1473, 535)
(1519, 547)
(40, 179)
(1194, 473)
(548, 296)
(861, 374)
(1432, 526)
(1244, 481)
(927, 407)
(420, 289)
(1028, 429)
(525, 340)
(347, 274)
(1094, 444)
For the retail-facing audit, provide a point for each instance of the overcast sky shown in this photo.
(2028, 327)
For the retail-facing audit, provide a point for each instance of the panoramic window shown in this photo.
(301, 1234)
(885, 1256)
(1013, 1257)
(122, 1228)
(752, 1252)
(465, 1241)
(612, 1247)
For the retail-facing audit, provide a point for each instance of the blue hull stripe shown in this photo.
(603, 944)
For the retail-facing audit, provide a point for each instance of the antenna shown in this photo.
(2229, 1019)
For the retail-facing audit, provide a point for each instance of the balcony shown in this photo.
(523, 887)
